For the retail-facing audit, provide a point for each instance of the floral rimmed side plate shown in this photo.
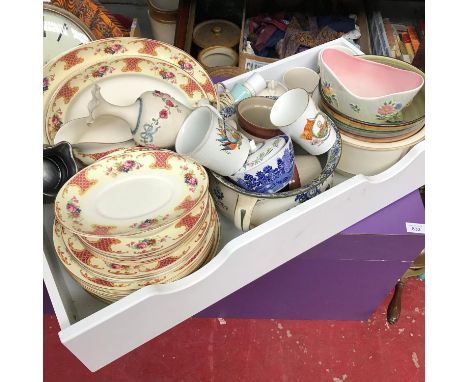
(96, 51)
(111, 289)
(130, 193)
(139, 247)
(113, 269)
(114, 295)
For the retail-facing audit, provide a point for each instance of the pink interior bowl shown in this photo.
(366, 90)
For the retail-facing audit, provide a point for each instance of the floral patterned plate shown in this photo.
(92, 152)
(122, 81)
(112, 289)
(113, 269)
(130, 193)
(85, 55)
(114, 295)
(140, 247)
(117, 288)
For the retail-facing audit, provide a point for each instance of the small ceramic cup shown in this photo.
(307, 168)
(207, 138)
(255, 84)
(296, 114)
(301, 77)
(269, 168)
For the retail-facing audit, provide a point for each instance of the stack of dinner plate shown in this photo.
(136, 217)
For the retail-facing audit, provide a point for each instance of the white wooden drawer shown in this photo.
(89, 327)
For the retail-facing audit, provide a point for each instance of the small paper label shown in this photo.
(252, 64)
(415, 228)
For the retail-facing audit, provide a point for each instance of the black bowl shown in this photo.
(58, 166)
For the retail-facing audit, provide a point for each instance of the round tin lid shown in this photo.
(216, 32)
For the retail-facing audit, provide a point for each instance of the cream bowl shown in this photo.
(217, 55)
(253, 115)
(371, 158)
(366, 90)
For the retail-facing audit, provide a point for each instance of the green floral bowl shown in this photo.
(413, 116)
(367, 90)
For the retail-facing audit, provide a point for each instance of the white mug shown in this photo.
(301, 77)
(296, 114)
(217, 145)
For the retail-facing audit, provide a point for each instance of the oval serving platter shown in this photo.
(157, 187)
(122, 81)
(96, 51)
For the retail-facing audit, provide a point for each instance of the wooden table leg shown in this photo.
(394, 308)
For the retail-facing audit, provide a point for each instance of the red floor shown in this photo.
(265, 350)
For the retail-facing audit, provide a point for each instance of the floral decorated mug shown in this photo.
(296, 114)
(212, 141)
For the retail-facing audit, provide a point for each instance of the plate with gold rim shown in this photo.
(75, 59)
(112, 287)
(139, 247)
(130, 193)
(122, 81)
(92, 280)
(113, 295)
(113, 269)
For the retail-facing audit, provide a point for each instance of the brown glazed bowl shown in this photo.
(253, 115)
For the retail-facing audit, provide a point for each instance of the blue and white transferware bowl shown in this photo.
(269, 168)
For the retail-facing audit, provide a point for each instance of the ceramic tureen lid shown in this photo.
(216, 32)
(264, 151)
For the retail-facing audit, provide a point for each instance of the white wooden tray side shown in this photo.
(121, 327)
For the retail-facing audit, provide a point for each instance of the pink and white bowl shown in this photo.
(365, 90)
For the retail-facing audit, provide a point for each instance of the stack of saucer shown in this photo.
(134, 218)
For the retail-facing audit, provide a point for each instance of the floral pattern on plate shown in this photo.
(110, 279)
(124, 166)
(190, 178)
(131, 177)
(122, 47)
(132, 248)
(113, 68)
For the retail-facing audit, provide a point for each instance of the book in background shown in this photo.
(392, 41)
(414, 38)
(404, 42)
